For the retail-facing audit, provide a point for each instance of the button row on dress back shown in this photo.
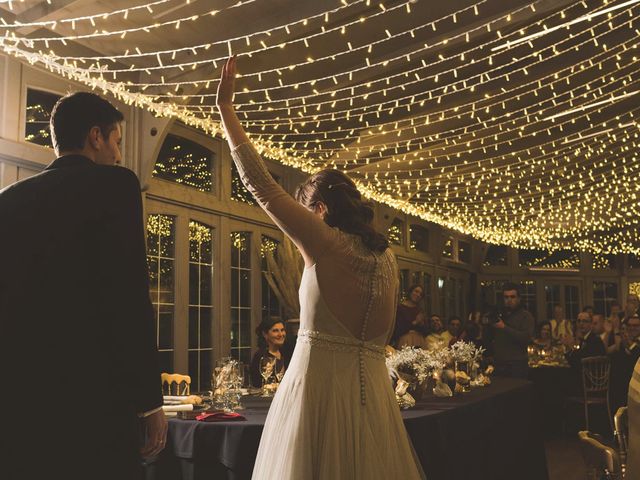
(372, 279)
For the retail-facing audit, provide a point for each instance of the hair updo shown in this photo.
(345, 208)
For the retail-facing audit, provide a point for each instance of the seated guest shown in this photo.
(456, 331)
(623, 360)
(633, 412)
(560, 326)
(271, 339)
(543, 338)
(586, 343)
(439, 337)
(410, 329)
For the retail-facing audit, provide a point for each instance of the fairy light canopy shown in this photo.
(514, 122)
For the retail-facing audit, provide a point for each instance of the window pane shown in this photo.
(193, 327)
(205, 327)
(241, 339)
(160, 258)
(447, 250)
(571, 301)
(245, 288)
(604, 293)
(464, 251)
(270, 303)
(396, 232)
(185, 162)
(38, 113)
(496, 256)
(166, 361)
(604, 262)
(200, 302)
(561, 259)
(165, 327)
(552, 298)
(239, 193)
(528, 295)
(418, 238)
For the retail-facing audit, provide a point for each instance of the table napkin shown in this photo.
(219, 417)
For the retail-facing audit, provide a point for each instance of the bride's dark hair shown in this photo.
(345, 207)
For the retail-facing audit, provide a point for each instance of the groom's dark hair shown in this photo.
(75, 114)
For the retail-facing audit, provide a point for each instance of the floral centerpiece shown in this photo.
(411, 368)
(466, 358)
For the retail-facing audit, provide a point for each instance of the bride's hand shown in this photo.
(226, 87)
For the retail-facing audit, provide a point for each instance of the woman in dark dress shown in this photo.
(271, 339)
(410, 325)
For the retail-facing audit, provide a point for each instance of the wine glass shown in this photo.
(279, 371)
(267, 365)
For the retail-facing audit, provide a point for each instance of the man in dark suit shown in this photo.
(76, 323)
(585, 344)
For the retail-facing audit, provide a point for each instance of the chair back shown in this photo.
(621, 423)
(595, 376)
(175, 384)
(602, 461)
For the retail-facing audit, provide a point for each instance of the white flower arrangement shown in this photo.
(465, 352)
(416, 362)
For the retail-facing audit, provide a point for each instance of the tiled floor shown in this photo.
(564, 460)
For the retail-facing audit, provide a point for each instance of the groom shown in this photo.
(82, 395)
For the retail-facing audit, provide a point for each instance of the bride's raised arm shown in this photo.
(306, 229)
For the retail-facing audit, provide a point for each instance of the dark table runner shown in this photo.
(489, 433)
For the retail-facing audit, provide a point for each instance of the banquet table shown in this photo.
(489, 433)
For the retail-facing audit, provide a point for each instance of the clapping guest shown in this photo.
(544, 338)
(410, 329)
(560, 326)
(612, 328)
(439, 337)
(586, 343)
(271, 339)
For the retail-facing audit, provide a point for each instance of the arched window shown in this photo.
(185, 162)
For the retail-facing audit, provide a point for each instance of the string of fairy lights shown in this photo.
(517, 125)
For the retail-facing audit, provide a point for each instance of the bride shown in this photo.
(334, 415)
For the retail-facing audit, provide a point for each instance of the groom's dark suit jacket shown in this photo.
(78, 350)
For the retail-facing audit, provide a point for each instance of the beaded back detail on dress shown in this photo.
(350, 292)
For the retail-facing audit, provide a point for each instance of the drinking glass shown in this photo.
(279, 370)
(267, 365)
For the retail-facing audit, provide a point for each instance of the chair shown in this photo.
(175, 384)
(621, 432)
(595, 386)
(602, 461)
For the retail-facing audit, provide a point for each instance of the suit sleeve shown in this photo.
(131, 321)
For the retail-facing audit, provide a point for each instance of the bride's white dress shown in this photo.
(334, 416)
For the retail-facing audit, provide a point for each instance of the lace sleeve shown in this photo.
(308, 231)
